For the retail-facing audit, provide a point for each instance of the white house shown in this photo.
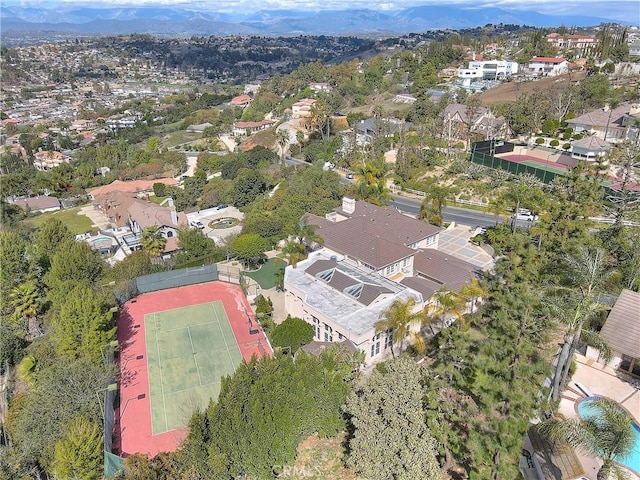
(548, 66)
(371, 256)
(487, 70)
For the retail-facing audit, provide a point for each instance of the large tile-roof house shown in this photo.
(610, 124)
(622, 331)
(548, 66)
(370, 257)
(125, 209)
(302, 108)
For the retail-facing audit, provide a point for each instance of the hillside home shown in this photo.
(46, 160)
(249, 128)
(610, 124)
(459, 123)
(487, 70)
(548, 66)
(367, 130)
(320, 87)
(39, 204)
(302, 108)
(125, 209)
(371, 256)
(241, 100)
(581, 45)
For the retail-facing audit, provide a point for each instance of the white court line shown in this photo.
(191, 388)
(225, 340)
(193, 350)
(164, 405)
(188, 326)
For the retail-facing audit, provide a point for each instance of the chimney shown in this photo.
(170, 203)
(174, 217)
(348, 205)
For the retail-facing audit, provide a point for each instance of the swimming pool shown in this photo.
(633, 460)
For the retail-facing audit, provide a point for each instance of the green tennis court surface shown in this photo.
(188, 351)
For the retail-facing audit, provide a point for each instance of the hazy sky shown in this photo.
(628, 10)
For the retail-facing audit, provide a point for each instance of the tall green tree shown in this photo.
(583, 276)
(74, 261)
(391, 438)
(82, 324)
(250, 248)
(605, 432)
(79, 454)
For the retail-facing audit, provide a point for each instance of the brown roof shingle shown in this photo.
(622, 328)
(444, 269)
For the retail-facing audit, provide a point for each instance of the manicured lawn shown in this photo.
(76, 223)
(266, 275)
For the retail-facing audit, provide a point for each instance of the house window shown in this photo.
(389, 270)
(316, 327)
(630, 365)
(375, 345)
(169, 234)
(405, 262)
(431, 240)
(340, 336)
(328, 333)
(388, 341)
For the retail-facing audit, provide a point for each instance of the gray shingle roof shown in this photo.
(622, 328)
(443, 269)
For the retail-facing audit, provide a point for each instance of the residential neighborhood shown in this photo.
(346, 257)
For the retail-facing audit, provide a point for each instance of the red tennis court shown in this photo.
(133, 428)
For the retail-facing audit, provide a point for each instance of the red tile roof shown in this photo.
(547, 60)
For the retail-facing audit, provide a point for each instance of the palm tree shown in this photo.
(607, 433)
(292, 252)
(398, 319)
(306, 233)
(498, 208)
(446, 306)
(584, 274)
(26, 301)
(371, 182)
(153, 242)
(472, 292)
(282, 139)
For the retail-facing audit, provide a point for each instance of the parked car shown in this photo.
(221, 206)
(197, 224)
(350, 176)
(525, 215)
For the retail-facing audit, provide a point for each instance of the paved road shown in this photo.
(463, 216)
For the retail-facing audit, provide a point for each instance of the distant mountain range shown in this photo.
(176, 21)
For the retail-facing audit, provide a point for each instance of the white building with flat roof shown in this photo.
(487, 70)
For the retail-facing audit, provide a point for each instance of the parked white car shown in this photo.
(525, 215)
(197, 224)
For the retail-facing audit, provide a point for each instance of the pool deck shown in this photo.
(603, 381)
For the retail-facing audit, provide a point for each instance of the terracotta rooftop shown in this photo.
(547, 60)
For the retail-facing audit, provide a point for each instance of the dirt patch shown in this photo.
(319, 459)
(508, 92)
